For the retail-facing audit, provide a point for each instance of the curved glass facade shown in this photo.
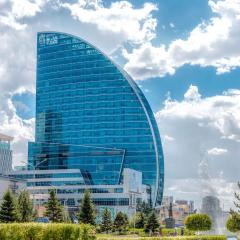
(91, 115)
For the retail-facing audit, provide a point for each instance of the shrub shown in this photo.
(198, 222)
(170, 231)
(36, 231)
(233, 222)
(170, 238)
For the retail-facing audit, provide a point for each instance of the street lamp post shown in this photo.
(34, 176)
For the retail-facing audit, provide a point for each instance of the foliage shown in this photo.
(120, 222)
(144, 208)
(139, 219)
(25, 206)
(54, 209)
(9, 208)
(198, 222)
(66, 217)
(152, 223)
(237, 197)
(36, 231)
(233, 222)
(87, 210)
(171, 232)
(106, 223)
(137, 231)
(212, 237)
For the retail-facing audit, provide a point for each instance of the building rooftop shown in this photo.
(4, 137)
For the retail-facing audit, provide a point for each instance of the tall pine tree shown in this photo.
(54, 210)
(25, 206)
(139, 219)
(152, 223)
(87, 210)
(106, 223)
(9, 208)
(120, 222)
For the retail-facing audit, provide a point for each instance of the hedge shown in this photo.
(49, 231)
(166, 238)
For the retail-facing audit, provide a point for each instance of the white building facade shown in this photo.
(70, 187)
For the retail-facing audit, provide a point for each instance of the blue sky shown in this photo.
(184, 55)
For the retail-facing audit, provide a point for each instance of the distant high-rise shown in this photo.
(5, 154)
(211, 206)
(92, 116)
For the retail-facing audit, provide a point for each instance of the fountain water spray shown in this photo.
(210, 201)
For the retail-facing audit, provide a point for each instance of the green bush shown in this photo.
(233, 223)
(38, 231)
(198, 222)
(170, 231)
(168, 238)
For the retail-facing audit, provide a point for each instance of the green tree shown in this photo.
(152, 223)
(54, 210)
(87, 210)
(198, 222)
(237, 202)
(25, 206)
(106, 223)
(139, 219)
(144, 208)
(120, 222)
(233, 222)
(9, 208)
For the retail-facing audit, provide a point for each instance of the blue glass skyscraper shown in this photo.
(92, 116)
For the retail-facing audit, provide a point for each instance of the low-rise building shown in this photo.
(70, 185)
(16, 185)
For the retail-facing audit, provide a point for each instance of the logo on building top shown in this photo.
(41, 39)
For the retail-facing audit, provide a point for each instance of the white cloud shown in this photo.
(15, 10)
(172, 25)
(120, 19)
(148, 61)
(217, 151)
(21, 130)
(17, 74)
(197, 126)
(213, 43)
(192, 93)
(26, 8)
(10, 21)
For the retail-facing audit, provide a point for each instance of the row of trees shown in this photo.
(20, 209)
(145, 218)
(16, 209)
(149, 221)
